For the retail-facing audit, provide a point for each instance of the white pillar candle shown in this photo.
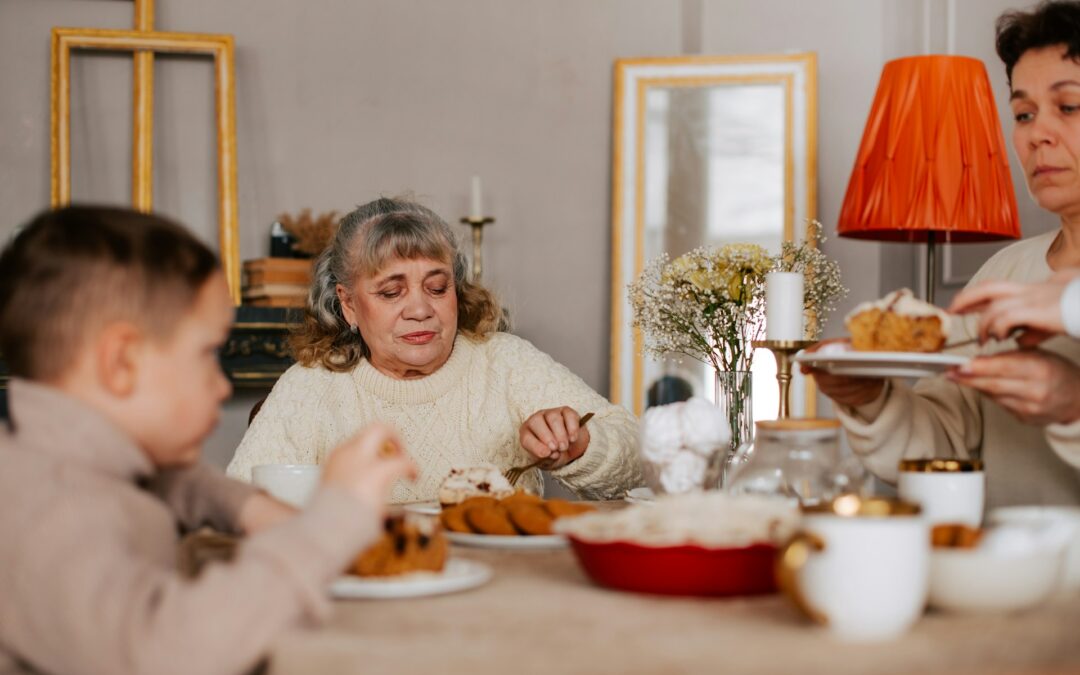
(784, 306)
(476, 207)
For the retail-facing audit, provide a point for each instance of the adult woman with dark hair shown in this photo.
(1017, 408)
(395, 332)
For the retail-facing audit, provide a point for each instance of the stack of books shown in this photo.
(276, 282)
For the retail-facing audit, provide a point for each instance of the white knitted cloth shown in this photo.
(468, 411)
(1070, 308)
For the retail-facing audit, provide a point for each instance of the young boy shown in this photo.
(110, 322)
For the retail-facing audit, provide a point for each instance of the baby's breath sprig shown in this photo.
(709, 304)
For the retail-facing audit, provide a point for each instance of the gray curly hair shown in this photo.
(366, 240)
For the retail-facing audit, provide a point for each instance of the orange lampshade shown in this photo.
(932, 158)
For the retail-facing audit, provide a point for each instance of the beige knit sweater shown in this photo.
(88, 553)
(468, 411)
(1025, 464)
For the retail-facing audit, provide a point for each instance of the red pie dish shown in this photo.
(678, 570)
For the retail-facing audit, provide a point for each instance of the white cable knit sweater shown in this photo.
(466, 412)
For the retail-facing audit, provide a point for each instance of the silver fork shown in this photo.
(1015, 333)
(514, 474)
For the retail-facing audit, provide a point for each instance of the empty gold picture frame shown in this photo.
(64, 40)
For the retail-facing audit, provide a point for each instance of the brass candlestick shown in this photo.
(477, 225)
(783, 350)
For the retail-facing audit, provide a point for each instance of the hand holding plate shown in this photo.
(843, 389)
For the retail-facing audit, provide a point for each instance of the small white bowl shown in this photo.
(979, 580)
(1048, 516)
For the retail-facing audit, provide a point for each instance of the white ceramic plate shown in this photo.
(881, 364)
(640, 495)
(458, 575)
(506, 541)
(432, 508)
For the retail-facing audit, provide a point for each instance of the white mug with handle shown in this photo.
(291, 483)
(859, 566)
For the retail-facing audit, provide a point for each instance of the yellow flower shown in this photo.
(735, 287)
(677, 270)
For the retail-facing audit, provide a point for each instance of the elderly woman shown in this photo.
(394, 332)
(1019, 409)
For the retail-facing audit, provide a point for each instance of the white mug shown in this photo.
(950, 491)
(859, 566)
(291, 483)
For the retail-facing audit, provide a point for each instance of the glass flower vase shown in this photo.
(734, 395)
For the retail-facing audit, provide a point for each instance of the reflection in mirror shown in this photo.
(708, 151)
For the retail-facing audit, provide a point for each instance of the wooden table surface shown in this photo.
(540, 614)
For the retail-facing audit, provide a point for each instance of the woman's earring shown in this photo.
(353, 329)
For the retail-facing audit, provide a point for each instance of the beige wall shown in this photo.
(340, 101)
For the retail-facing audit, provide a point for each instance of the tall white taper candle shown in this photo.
(476, 207)
(784, 306)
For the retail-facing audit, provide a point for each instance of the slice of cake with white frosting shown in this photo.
(899, 322)
(477, 480)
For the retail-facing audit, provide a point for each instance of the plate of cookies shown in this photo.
(429, 508)
(479, 507)
(521, 521)
(457, 575)
(508, 541)
(409, 559)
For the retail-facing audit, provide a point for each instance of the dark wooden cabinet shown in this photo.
(257, 351)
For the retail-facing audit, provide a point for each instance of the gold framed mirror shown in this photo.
(708, 150)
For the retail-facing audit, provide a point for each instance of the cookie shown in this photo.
(530, 518)
(560, 508)
(453, 519)
(521, 497)
(479, 501)
(403, 547)
(493, 519)
(955, 536)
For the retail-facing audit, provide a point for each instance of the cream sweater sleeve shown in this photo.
(1065, 440)
(611, 464)
(289, 428)
(933, 418)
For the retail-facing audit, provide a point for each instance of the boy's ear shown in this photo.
(117, 354)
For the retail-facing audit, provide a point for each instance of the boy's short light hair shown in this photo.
(71, 271)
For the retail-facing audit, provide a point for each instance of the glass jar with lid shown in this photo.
(797, 458)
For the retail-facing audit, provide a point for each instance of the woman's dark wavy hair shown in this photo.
(1050, 23)
(366, 240)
